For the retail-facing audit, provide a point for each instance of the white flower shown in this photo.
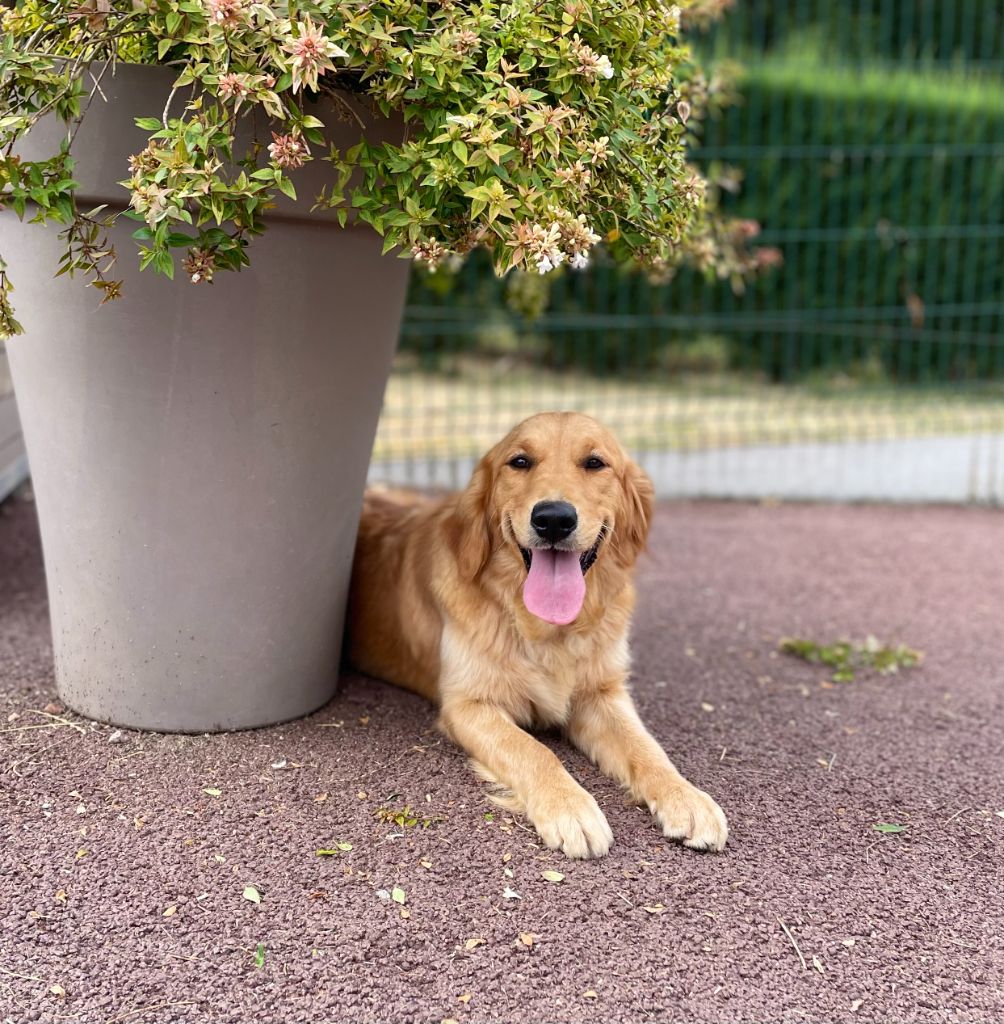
(580, 261)
(605, 68)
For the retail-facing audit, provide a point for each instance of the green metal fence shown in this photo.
(869, 138)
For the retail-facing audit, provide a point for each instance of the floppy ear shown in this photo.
(631, 530)
(468, 528)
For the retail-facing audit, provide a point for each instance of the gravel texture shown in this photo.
(126, 857)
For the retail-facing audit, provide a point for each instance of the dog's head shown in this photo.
(554, 497)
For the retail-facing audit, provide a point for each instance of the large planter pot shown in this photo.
(199, 453)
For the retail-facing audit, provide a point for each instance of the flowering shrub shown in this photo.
(533, 129)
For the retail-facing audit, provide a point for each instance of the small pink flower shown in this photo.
(228, 13)
(288, 151)
(233, 86)
(310, 54)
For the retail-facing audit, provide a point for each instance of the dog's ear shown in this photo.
(469, 526)
(631, 529)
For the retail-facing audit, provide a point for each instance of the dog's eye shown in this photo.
(594, 462)
(520, 462)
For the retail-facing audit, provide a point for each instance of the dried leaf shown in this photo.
(213, 791)
(58, 991)
(847, 942)
(528, 938)
(552, 876)
(425, 863)
(405, 913)
(82, 853)
(818, 964)
(589, 994)
(60, 896)
(705, 706)
(856, 1005)
(474, 942)
(251, 894)
(510, 894)
(506, 857)
(171, 911)
(465, 998)
(655, 908)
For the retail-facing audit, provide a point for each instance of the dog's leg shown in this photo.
(605, 726)
(564, 814)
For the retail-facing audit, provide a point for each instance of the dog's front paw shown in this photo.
(687, 813)
(571, 821)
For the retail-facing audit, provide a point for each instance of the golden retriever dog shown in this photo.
(508, 605)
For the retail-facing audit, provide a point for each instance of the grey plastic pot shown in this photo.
(199, 453)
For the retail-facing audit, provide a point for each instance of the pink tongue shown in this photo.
(555, 587)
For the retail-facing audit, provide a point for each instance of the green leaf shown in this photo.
(148, 124)
(888, 829)
(552, 876)
(460, 150)
(251, 894)
(259, 955)
(398, 895)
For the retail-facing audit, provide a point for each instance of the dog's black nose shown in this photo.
(553, 520)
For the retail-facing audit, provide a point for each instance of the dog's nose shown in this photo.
(553, 520)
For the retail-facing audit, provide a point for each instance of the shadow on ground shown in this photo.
(127, 858)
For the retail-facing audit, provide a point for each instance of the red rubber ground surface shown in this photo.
(122, 879)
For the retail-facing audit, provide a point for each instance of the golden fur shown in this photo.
(436, 606)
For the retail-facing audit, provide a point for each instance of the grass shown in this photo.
(428, 415)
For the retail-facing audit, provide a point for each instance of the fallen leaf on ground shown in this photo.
(506, 857)
(528, 938)
(398, 895)
(213, 791)
(465, 998)
(589, 994)
(705, 706)
(552, 876)
(320, 798)
(856, 1005)
(60, 896)
(82, 853)
(818, 964)
(889, 829)
(847, 942)
(510, 894)
(259, 955)
(472, 943)
(58, 991)
(252, 894)
(405, 913)
(335, 850)
(171, 911)
(655, 908)
(425, 863)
